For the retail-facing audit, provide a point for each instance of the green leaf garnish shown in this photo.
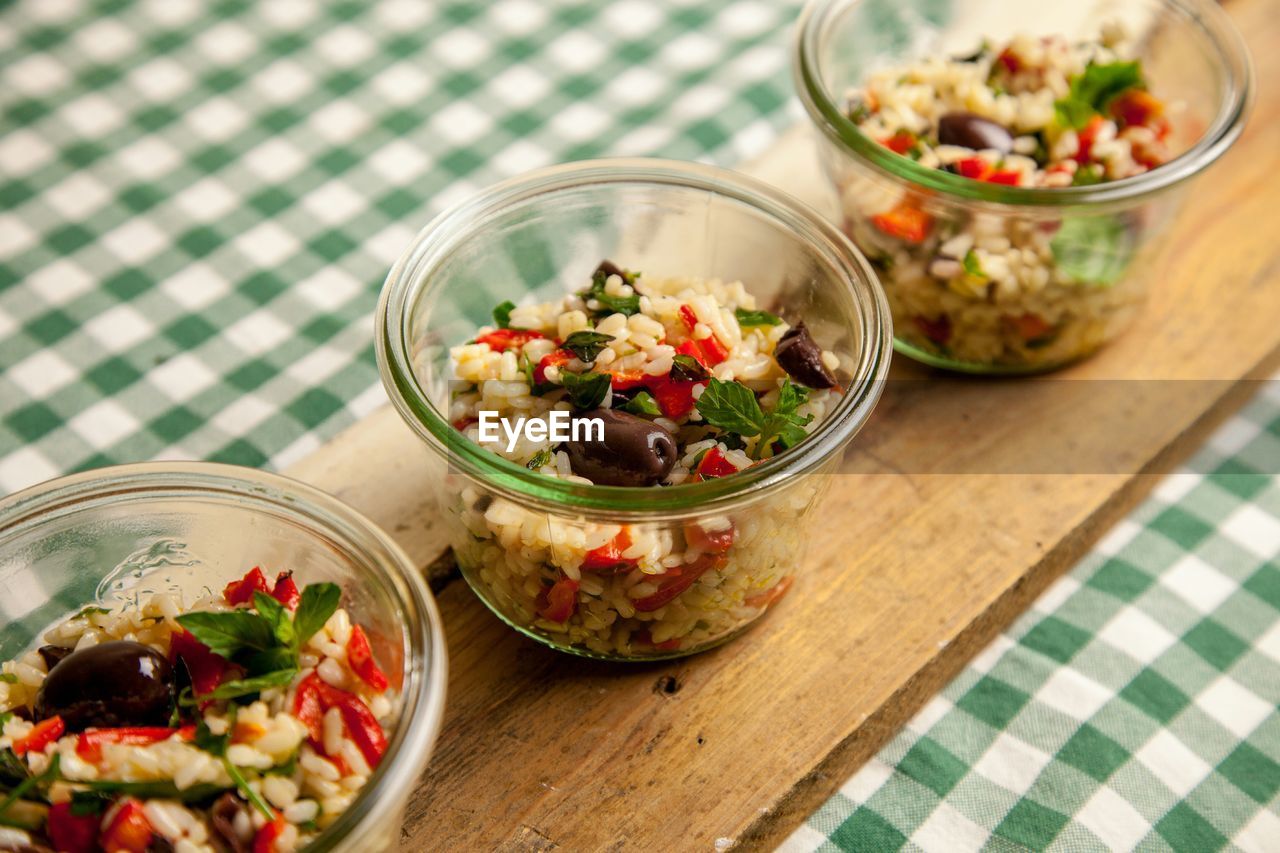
(215, 745)
(609, 304)
(276, 614)
(319, 601)
(586, 345)
(155, 790)
(642, 404)
(231, 632)
(502, 314)
(586, 390)
(246, 686)
(541, 458)
(1093, 250)
(89, 611)
(731, 406)
(85, 803)
(686, 368)
(756, 318)
(1093, 90)
(972, 266)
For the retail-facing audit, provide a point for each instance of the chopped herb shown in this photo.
(642, 404)
(8, 678)
(89, 611)
(156, 790)
(756, 318)
(275, 613)
(249, 794)
(586, 390)
(686, 368)
(586, 345)
(972, 266)
(541, 458)
(215, 745)
(784, 426)
(733, 407)
(1093, 90)
(626, 305)
(502, 315)
(248, 686)
(318, 603)
(84, 803)
(231, 632)
(1093, 250)
(536, 388)
(1087, 175)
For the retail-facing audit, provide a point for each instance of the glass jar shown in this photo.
(712, 556)
(1079, 259)
(105, 536)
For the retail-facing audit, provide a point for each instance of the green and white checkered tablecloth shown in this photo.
(198, 202)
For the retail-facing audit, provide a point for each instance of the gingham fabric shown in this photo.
(198, 202)
(1133, 707)
(200, 199)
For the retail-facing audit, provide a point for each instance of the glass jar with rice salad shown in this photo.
(729, 348)
(190, 707)
(1010, 175)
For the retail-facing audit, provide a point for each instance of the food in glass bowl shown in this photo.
(1033, 112)
(247, 720)
(689, 381)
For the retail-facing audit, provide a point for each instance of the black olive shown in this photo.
(223, 818)
(610, 268)
(973, 131)
(801, 357)
(53, 655)
(120, 683)
(635, 452)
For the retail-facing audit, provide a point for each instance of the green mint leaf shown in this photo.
(269, 661)
(972, 266)
(1093, 250)
(541, 458)
(586, 390)
(276, 614)
(586, 345)
(610, 304)
(229, 633)
(1093, 90)
(642, 404)
(502, 314)
(731, 406)
(686, 368)
(319, 601)
(790, 397)
(247, 686)
(756, 318)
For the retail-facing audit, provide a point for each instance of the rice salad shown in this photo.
(692, 381)
(246, 721)
(1036, 112)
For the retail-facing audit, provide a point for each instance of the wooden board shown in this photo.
(934, 552)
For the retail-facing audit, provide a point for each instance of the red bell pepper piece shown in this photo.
(609, 555)
(309, 710)
(772, 595)
(710, 541)
(555, 358)
(72, 833)
(44, 733)
(714, 464)
(1086, 137)
(206, 668)
(286, 591)
(901, 142)
(360, 656)
(677, 580)
(708, 352)
(1137, 107)
(128, 830)
(90, 743)
(937, 330)
(1005, 176)
(558, 601)
(500, 340)
(314, 697)
(904, 222)
(264, 841)
(1029, 326)
(972, 167)
(689, 318)
(241, 591)
(673, 396)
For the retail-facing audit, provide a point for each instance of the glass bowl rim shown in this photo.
(826, 113)
(408, 280)
(423, 694)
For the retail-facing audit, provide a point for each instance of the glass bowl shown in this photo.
(104, 536)
(1083, 254)
(514, 531)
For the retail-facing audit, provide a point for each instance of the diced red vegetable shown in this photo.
(1029, 326)
(711, 541)
(608, 557)
(241, 591)
(90, 743)
(708, 352)
(714, 464)
(904, 222)
(464, 422)
(555, 358)
(1008, 177)
(901, 142)
(937, 330)
(500, 340)
(308, 709)
(128, 830)
(1137, 107)
(360, 656)
(689, 318)
(264, 840)
(1086, 136)
(558, 601)
(675, 581)
(673, 396)
(1009, 60)
(362, 726)
(205, 667)
(72, 833)
(286, 591)
(44, 733)
(772, 595)
(976, 168)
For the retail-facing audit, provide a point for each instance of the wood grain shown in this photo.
(934, 552)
